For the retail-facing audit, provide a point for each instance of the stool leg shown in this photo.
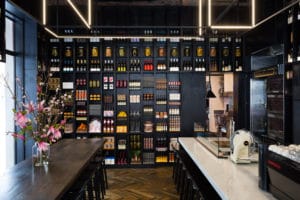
(181, 181)
(105, 174)
(179, 172)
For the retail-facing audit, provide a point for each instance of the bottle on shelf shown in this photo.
(238, 55)
(68, 65)
(121, 67)
(95, 65)
(199, 65)
(148, 65)
(290, 17)
(174, 65)
(187, 66)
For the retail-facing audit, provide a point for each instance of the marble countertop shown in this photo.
(231, 181)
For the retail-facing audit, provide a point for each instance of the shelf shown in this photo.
(137, 83)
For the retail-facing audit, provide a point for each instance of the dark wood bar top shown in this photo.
(68, 159)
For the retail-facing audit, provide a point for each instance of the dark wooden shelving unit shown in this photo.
(121, 85)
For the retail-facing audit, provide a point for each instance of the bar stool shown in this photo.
(178, 175)
(186, 188)
(83, 186)
(100, 178)
(182, 175)
(176, 166)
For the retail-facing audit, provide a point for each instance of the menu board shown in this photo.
(2, 30)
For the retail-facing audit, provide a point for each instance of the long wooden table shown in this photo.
(69, 157)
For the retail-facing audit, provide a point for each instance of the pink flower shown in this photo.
(41, 106)
(29, 107)
(63, 122)
(57, 134)
(18, 136)
(43, 146)
(39, 89)
(21, 119)
(52, 139)
(51, 130)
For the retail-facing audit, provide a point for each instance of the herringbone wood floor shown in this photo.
(141, 183)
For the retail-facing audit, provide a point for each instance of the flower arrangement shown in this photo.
(41, 120)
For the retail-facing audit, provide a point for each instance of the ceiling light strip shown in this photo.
(90, 12)
(209, 12)
(44, 12)
(79, 14)
(231, 27)
(121, 37)
(253, 13)
(200, 16)
(51, 32)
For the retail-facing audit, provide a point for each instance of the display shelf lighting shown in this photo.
(231, 26)
(119, 37)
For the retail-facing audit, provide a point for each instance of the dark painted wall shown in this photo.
(193, 93)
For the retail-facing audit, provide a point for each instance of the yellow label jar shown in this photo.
(95, 52)
(121, 51)
(108, 52)
(199, 51)
(147, 51)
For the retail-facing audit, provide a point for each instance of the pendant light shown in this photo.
(209, 92)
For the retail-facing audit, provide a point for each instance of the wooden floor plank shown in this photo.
(141, 184)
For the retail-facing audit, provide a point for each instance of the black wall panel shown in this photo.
(296, 82)
(296, 122)
(193, 101)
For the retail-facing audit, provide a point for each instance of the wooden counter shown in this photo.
(68, 159)
(229, 180)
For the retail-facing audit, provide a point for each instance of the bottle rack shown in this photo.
(129, 91)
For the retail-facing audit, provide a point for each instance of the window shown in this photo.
(7, 147)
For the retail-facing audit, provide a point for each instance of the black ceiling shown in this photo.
(160, 11)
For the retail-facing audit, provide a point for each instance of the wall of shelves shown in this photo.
(139, 94)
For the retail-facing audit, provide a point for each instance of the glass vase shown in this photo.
(40, 157)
